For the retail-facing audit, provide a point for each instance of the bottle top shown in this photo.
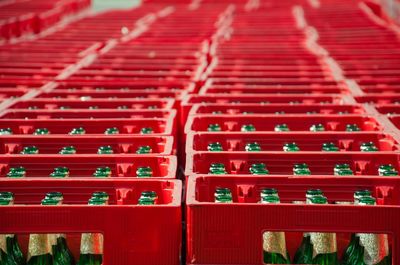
(145, 149)
(112, 130)
(248, 128)
(30, 150)
(318, 199)
(56, 195)
(144, 172)
(214, 127)
(5, 201)
(96, 201)
(291, 147)
(223, 191)
(5, 131)
(367, 200)
(253, 147)
(268, 192)
(146, 201)
(79, 130)
(281, 128)
(314, 192)
(149, 193)
(146, 130)
(49, 201)
(223, 198)
(100, 194)
(215, 147)
(352, 128)
(105, 150)
(7, 194)
(330, 146)
(68, 150)
(317, 127)
(270, 199)
(41, 131)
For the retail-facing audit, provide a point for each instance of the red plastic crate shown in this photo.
(92, 126)
(121, 145)
(133, 234)
(395, 119)
(274, 142)
(83, 166)
(88, 114)
(279, 163)
(235, 109)
(51, 104)
(264, 123)
(232, 233)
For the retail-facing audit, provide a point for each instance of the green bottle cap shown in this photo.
(30, 150)
(223, 191)
(5, 131)
(252, 147)
(329, 147)
(291, 147)
(145, 149)
(60, 172)
(339, 167)
(122, 107)
(96, 201)
(214, 128)
(361, 193)
(101, 195)
(270, 199)
(146, 201)
(55, 195)
(7, 194)
(217, 169)
(352, 128)
(105, 150)
(49, 201)
(77, 131)
(281, 128)
(317, 127)
(344, 172)
(93, 107)
(41, 131)
(214, 147)
(366, 200)
(258, 169)
(318, 199)
(146, 130)
(149, 194)
(390, 173)
(5, 201)
(144, 172)
(313, 192)
(301, 169)
(112, 130)
(16, 172)
(248, 128)
(102, 172)
(268, 191)
(368, 147)
(386, 167)
(222, 198)
(68, 150)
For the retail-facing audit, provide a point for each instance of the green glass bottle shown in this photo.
(41, 131)
(330, 147)
(68, 150)
(112, 130)
(274, 243)
(217, 169)
(101, 195)
(60, 251)
(281, 128)
(146, 201)
(144, 172)
(248, 128)
(92, 243)
(146, 130)
(215, 147)
(16, 172)
(321, 248)
(60, 172)
(317, 127)
(367, 248)
(39, 249)
(301, 169)
(348, 257)
(102, 172)
(30, 150)
(253, 147)
(368, 147)
(258, 169)
(105, 150)
(223, 195)
(214, 128)
(6, 131)
(77, 131)
(10, 251)
(268, 192)
(149, 194)
(352, 128)
(144, 149)
(291, 147)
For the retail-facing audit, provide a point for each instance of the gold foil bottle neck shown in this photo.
(92, 243)
(38, 245)
(275, 242)
(376, 247)
(323, 243)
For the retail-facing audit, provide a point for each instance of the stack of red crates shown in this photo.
(270, 71)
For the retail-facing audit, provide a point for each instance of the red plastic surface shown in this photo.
(279, 163)
(232, 233)
(274, 142)
(83, 166)
(121, 145)
(228, 123)
(138, 234)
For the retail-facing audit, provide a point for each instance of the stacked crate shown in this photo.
(292, 72)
